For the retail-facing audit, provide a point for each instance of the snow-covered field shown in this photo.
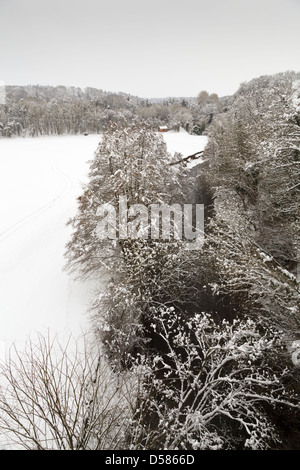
(40, 179)
(186, 144)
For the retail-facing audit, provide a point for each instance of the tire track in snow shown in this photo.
(17, 225)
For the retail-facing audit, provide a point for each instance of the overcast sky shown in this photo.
(148, 48)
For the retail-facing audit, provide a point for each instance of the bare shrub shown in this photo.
(63, 396)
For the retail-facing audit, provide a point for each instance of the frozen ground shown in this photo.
(40, 179)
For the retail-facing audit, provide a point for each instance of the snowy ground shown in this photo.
(40, 179)
(186, 144)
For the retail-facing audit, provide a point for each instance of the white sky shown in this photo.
(148, 48)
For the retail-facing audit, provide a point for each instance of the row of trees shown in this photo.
(42, 110)
(208, 328)
(253, 165)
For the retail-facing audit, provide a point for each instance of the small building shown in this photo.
(163, 129)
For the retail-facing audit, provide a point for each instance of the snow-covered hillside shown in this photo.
(40, 179)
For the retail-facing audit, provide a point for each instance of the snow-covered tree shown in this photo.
(130, 163)
(254, 154)
(253, 166)
(212, 386)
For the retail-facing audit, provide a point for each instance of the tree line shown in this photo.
(45, 110)
(212, 330)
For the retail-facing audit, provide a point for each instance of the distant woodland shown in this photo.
(45, 110)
